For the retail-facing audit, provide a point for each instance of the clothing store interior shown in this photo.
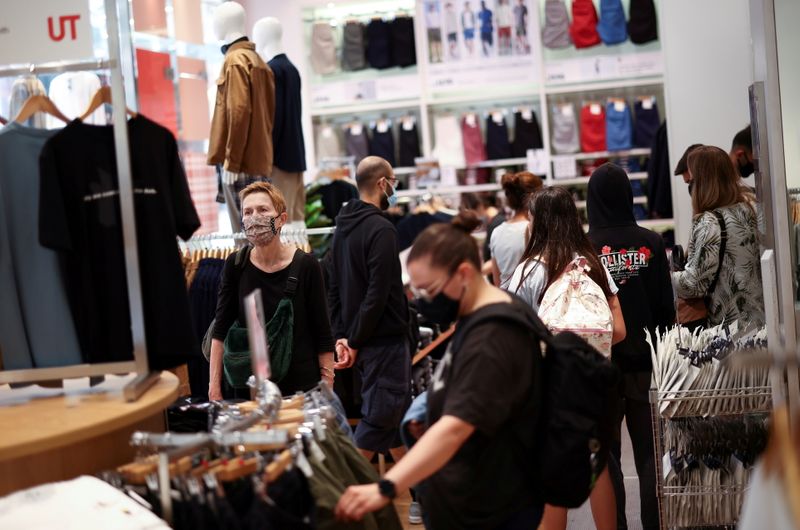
(397, 264)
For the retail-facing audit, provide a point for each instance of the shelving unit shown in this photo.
(635, 69)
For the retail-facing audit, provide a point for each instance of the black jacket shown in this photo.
(365, 295)
(636, 259)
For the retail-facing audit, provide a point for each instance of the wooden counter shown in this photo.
(52, 439)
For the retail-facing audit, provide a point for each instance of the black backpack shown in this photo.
(576, 417)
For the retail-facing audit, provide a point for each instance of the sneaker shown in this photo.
(415, 513)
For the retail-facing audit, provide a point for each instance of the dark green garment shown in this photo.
(280, 333)
(327, 488)
(344, 461)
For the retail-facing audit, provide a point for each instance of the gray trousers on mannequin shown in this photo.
(291, 185)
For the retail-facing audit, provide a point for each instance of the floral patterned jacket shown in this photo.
(739, 293)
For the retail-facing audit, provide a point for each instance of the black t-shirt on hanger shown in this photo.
(80, 218)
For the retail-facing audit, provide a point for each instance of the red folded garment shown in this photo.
(593, 128)
(584, 24)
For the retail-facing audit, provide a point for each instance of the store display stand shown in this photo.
(671, 496)
(145, 378)
(59, 438)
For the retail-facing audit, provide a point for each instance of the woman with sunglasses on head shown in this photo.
(476, 456)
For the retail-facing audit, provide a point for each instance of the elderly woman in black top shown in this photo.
(268, 266)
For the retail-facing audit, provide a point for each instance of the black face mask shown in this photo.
(746, 169)
(689, 187)
(442, 310)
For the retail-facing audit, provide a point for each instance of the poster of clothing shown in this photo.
(471, 41)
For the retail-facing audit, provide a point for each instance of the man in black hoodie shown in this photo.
(637, 260)
(369, 311)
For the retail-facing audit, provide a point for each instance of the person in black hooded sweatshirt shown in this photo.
(369, 311)
(637, 260)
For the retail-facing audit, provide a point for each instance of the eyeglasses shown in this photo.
(429, 293)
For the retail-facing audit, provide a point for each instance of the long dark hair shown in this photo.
(557, 235)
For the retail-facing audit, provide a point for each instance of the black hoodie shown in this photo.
(636, 259)
(365, 295)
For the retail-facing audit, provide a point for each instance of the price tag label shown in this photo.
(595, 109)
(383, 126)
(647, 104)
(527, 114)
(565, 167)
(471, 119)
(497, 117)
(567, 110)
(356, 129)
(408, 124)
(619, 106)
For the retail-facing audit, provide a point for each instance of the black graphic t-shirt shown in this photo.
(80, 218)
(488, 378)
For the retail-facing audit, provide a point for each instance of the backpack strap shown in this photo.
(723, 243)
(242, 256)
(294, 274)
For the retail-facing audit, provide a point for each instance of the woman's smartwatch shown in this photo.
(387, 489)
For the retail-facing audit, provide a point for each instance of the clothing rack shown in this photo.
(140, 365)
(700, 380)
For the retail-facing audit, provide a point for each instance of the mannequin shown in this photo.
(241, 142)
(268, 35)
(287, 133)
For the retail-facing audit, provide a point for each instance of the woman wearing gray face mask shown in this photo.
(293, 296)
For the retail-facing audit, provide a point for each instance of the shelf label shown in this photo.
(565, 167)
(537, 161)
(367, 91)
(46, 31)
(603, 68)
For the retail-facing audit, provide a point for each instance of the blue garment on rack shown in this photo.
(613, 28)
(619, 129)
(36, 325)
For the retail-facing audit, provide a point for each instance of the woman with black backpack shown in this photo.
(477, 454)
(557, 237)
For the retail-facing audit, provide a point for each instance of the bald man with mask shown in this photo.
(369, 311)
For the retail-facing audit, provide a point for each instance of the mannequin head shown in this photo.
(267, 34)
(229, 21)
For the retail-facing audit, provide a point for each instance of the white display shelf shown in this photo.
(604, 85)
(652, 224)
(585, 180)
(636, 200)
(449, 190)
(490, 96)
(404, 170)
(642, 151)
(366, 107)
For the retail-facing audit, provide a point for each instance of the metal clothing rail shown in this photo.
(58, 67)
(140, 365)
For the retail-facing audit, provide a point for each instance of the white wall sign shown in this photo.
(40, 31)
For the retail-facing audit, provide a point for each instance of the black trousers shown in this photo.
(634, 407)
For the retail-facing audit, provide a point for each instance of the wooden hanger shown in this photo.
(276, 468)
(100, 97)
(137, 472)
(39, 103)
(236, 469)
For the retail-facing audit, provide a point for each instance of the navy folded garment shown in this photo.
(619, 129)
(497, 144)
(527, 135)
(379, 44)
(382, 144)
(409, 146)
(647, 123)
(642, 25)
(612, 27)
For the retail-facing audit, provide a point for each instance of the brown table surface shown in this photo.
(51, 423)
